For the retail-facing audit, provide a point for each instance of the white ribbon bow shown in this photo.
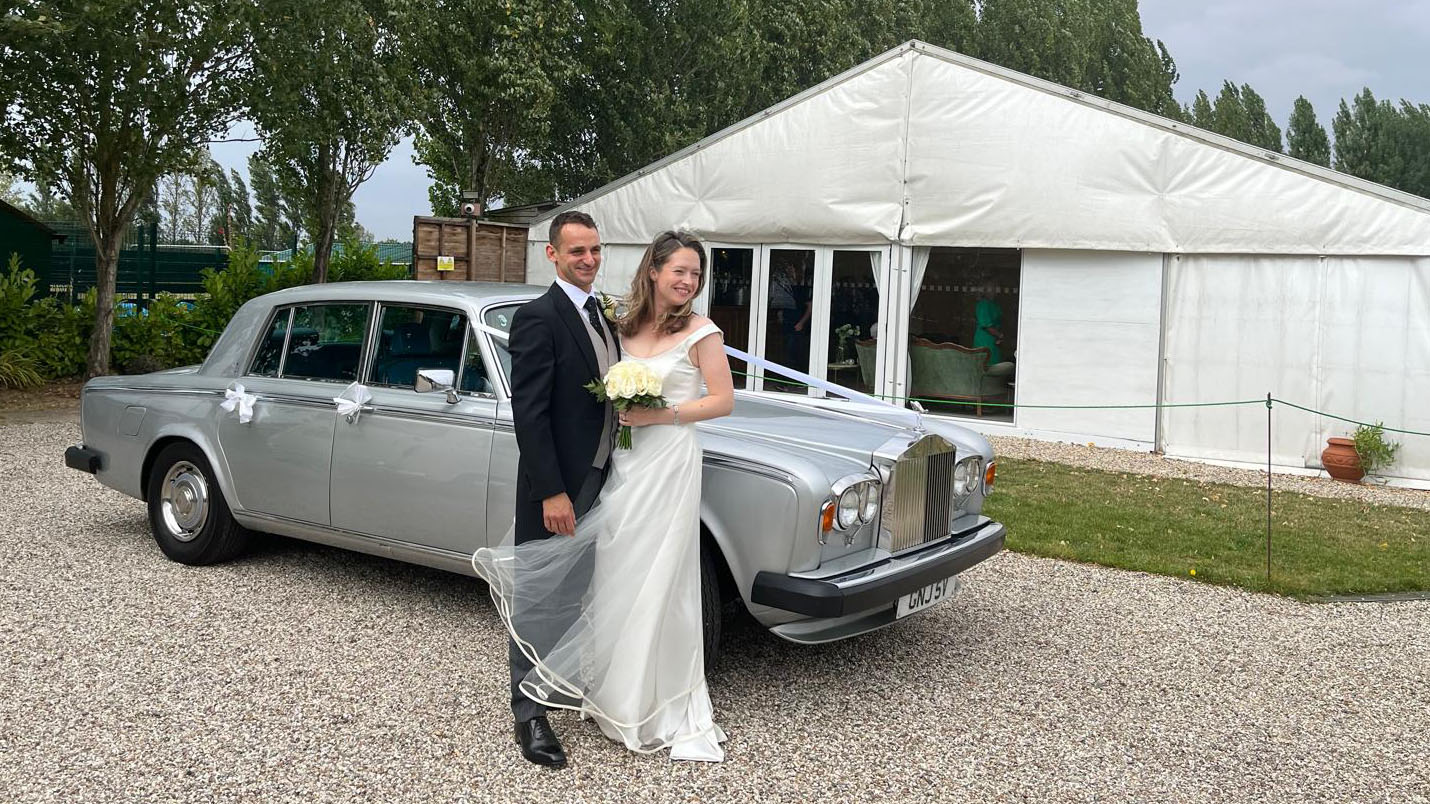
(236, 399)
(351, 401)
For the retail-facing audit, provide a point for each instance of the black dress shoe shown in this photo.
(539, 743)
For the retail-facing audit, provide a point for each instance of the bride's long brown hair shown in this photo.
(640, 303)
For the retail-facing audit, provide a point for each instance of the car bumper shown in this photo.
(880, 586)
(83, 458)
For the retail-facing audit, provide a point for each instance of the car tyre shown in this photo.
(188, 514)
(712, 608)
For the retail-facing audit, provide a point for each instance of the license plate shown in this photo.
(925, 597)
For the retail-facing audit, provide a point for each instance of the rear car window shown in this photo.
(313, 342)
(269, 357)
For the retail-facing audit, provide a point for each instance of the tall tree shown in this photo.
(489, 72)
(948, 23)
(274, 226)
(1262, 131)
(1412, 141)
(10, 191)
(1384, 142)
(1305, 137)
(1360, 137)
(1046, 38)
(175, 205)
(44, 203)
(1200, 114)
(101, 99)
(234, 221)
(654, 77)
(333, 92)
(1229, 116)
(1093, 45)
(203, 183)
(1126, 66)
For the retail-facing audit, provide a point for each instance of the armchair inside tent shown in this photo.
(866, 353)
(953, 372)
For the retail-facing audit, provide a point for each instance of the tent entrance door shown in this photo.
(785, 312)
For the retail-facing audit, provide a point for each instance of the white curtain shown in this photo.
(921, 264)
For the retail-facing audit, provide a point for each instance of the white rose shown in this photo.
(630, 386)
(619, 383)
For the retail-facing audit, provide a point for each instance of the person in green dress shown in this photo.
(989, 332)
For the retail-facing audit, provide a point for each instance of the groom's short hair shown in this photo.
(554, 236)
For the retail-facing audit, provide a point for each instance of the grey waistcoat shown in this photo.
(605, 358)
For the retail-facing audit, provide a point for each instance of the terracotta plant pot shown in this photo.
(1341, 460)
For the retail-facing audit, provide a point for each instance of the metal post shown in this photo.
(153, 258)
(138, 262)
(1268, 488)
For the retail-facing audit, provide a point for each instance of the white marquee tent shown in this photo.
(1157, 263)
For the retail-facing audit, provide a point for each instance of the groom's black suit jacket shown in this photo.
(558, 422)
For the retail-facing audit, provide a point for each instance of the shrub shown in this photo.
(48, 338)
(225, 291)
(60, 334)
(358, 262)
(1372, 448)
(18, 370)
(159, 338)
(17, 287)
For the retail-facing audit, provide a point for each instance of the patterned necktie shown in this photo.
(594, 314)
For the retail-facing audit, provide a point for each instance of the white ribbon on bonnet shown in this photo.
(857, 399)
(235, 399)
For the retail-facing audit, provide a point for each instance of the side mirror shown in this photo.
(432, 380)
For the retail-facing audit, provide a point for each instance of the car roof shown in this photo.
(436, 292)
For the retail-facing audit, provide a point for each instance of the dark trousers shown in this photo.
(566, 609)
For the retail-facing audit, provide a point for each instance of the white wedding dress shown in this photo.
(632, 658)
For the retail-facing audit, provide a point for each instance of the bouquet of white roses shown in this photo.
(628, 385)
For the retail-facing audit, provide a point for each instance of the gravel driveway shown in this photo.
(302, 673)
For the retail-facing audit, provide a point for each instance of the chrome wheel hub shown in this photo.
(184, 501)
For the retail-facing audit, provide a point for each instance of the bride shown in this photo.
(633, 661)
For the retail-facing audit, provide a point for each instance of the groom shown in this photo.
(559, 342)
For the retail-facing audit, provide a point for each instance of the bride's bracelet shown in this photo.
(675, 410)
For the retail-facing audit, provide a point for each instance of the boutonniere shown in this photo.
(609, 306)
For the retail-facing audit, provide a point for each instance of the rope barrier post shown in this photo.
(1268, 488)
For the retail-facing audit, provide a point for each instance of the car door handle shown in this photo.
(352, 417)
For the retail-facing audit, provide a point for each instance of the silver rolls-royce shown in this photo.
(375, 416)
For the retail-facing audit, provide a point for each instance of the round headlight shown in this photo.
(966, 476)
(869, 509)
(960, 479)
(849, 503)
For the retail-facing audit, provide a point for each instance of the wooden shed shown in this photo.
(470, 249)
(23, 236)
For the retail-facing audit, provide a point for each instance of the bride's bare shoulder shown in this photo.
(693, 323)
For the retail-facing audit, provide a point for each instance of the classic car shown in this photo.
(376, 416)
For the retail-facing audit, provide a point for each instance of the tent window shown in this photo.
(854, 319)
(789, 314)
(730, 289)
(963, 332)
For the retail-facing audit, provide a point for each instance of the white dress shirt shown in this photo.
(577, 296)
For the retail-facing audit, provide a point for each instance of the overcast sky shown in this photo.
(1323, 49)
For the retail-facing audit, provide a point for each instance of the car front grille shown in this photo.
(918, 499)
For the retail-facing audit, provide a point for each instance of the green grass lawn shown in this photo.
(1211, 532)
